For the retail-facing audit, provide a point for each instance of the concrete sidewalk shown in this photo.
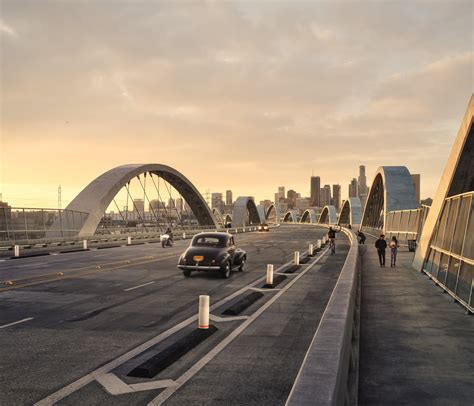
(416, 344)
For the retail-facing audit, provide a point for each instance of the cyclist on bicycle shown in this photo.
(332, 240)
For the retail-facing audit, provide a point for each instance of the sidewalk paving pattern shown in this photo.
(416, 344)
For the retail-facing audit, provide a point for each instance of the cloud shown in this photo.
(283, 87)
(6, 29)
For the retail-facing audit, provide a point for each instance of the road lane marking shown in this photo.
(219, 319)
(17, 322)
(115, 386)
(185, 377)
(139, 286)
(87, 379)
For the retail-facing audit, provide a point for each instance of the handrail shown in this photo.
(329, 373)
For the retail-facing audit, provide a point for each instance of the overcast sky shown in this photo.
(241, 95)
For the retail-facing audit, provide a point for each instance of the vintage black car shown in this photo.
(212, 252)
(263, 227)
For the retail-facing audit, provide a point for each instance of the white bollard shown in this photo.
(310, 250)
(203, 322)
(243, 229)
(84, 244)
(319, 244)
(270, 274)
(17, 250)
(297, 258)
(184, 235)
(129, 240)
(236, 231)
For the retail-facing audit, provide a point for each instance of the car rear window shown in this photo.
(208, 241)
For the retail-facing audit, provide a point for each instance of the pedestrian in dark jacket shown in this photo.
(381, 246)
(361, 236)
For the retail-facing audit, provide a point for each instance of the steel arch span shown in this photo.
(218, 215)
(245, 212)
(290, 216)
(273, 213)
(392, 189)
(351, 212)
(309, 216)
(328, 215)
(97, 195)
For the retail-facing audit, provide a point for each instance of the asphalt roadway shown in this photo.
(72, 326)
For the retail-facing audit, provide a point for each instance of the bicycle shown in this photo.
(332, 245)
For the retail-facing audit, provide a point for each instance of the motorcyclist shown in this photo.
(332, 233)
(170, 233)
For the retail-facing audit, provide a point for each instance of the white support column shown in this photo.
(319, 243)
(84, 244)
(184, 235)
(129, 240)
(270, 274)
(17, 250)
(310, 250)
(203, 321)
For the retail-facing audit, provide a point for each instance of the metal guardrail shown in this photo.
(329, 373)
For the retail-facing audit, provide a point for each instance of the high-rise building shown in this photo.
(277, 198)
(315, 198)
(139, 206)
(281, 192)
(416, 183)
(291, 198)
(179, 204)
(362, 181)
(353, 192)
(336, 196)
(216, 201)
(302, 203)
(325, 195)
(228, 197)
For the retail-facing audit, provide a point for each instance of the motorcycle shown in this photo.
(166, 240)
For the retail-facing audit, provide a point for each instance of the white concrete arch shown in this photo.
(97, 196)
(273, 213)
(290, 216)
(392, 189)
(457, 178)
(328, 215)
(245, 212)
(309, 216)
(351, 212)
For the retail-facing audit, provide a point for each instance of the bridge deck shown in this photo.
(416, 344)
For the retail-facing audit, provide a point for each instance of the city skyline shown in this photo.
(382, 101)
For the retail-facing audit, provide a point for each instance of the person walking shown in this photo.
(381, 245)
(393, 251)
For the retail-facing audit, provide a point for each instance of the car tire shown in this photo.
(242, 264)
(226, 270)
(187, 273)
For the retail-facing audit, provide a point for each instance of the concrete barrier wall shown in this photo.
(329, 373)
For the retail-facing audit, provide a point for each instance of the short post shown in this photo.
(318, 244)
(203, 322)
(84, 244)
(129, 240)
(310, 250)
(243, 229)
(236, 231)
(270, 274)
(184, 235)
(297, 258)
(17, 250)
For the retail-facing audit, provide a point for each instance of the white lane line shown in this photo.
(163, 396)
(219, 319)
(17, 322)
(139, 286)
(86, 379)
(115, 386)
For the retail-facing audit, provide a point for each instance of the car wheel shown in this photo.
(226, 270)
(242, 264)
(187, 273)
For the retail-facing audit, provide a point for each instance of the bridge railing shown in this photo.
(329, 373)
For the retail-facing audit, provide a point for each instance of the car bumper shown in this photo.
(199, 268)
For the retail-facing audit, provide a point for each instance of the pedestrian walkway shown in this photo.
(416, 344)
